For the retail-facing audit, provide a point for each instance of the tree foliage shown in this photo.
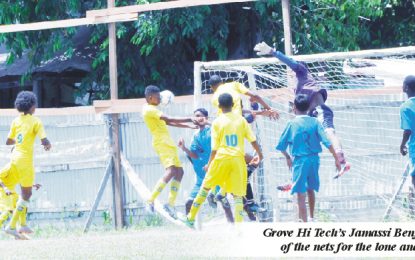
(161, 46)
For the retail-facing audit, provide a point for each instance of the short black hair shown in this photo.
(214, 80)
(25, 100)
(302, 102)
(410, 82)
(150, 90)
(225, 101)
(203, 111)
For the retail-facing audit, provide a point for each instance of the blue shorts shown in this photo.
(412, 166)
(305, 174)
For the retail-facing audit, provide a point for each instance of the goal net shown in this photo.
(365, 92)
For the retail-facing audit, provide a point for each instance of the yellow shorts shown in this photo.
(169, 155)
(8, 203)
(25, 173)
(230, 174)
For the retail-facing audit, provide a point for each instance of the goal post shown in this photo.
(364, 91)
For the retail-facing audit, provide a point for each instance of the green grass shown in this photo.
(139, 241)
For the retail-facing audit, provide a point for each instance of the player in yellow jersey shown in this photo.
(236, 89)
(227, 166)
(23, 132)
(165, 147)
(8, 195)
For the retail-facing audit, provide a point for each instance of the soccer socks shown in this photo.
(19, 210)
(249, 193)
(157, 190)
(22, 218)
(198, 201)
(4, 216)
(174, 188)
(239, 207)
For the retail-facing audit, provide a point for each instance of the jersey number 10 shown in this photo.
(231, 140)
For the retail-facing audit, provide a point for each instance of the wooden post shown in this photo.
(287, 26)
(116, 176)
(286, 18)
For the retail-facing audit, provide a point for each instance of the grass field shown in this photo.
(137, 242)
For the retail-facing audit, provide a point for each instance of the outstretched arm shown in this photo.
(256, 98)
(264, 49)
(176, 120)
(179, 125)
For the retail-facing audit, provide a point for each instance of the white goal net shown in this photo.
(365, 92)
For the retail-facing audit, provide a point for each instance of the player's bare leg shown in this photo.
(325, 116)
(158, 188)
(311, 202)
(302, 209)
(174, 188)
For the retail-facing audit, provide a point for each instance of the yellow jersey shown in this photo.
(157, 127)
(24, 130)
(235, 89)
(229, 132)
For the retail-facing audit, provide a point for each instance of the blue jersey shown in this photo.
(407, 113)
(303, 136)
(201, 146)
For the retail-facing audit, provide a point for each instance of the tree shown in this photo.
(161, 46)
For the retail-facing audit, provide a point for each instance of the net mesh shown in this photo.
(364, 91)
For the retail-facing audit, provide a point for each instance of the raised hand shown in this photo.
(263, 49)
(181, 144)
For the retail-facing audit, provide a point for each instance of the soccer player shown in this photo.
(23, 132)
(235, 89)
(303, 136)
(165, 147)
(199, 154)
(308, 86)
(8, 195)
(227, 167)
(407, 114)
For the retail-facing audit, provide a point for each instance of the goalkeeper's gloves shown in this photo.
(263, 49)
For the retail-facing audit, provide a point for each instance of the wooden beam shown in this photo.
(111, 15)
(158, 6)
(67, 23)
